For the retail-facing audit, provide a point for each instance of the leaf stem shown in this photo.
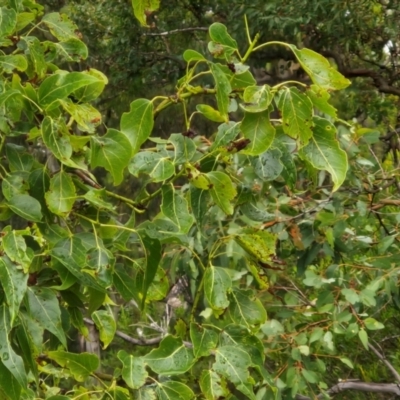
(251, 48)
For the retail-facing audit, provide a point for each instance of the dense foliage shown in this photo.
(258, 261)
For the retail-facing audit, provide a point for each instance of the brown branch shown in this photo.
(381, 356)
(200, 28)
(358, 386)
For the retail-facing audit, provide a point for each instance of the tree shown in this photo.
(279, 211)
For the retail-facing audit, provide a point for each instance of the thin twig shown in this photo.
(200, 28)
(382, 357)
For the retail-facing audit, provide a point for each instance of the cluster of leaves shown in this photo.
(225, 204)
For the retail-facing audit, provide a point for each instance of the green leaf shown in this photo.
(26, 207)
(258, 129)
(138, 123)
(80, 365)
(212, 386)
(363, 335)
(18, 159)
(153, 254)
(55, 138)
(14, 282)
(319, 69)
(60, 26)
(175, 207)
(173, 390)
(320, 99)
(217, 285)
(257, 98)
(143, 7)
(93, 90)
(210, 113)
(134, 370)
(372, 324)
(86, 116)
(350, 295)
(15, 247)
(106, 326)
(35, 51)
(310, 376)
(185, 148)
(12, 361)
(124, 284)
(203, 340)
(45, 309)
(222, 190)
(158, 166)
(11, 62)
(72, 49)
(9, 387)
(199, 204)
(219, 34)
(62, 194)
(297, 114)
(233, 363)
(227, 132)
(113, 152)
(59, 86)
(71, 253)
(223, 88)
(245, 309)
(323, 151)
(172, 357)
(268, 165)
(346, 361)
(259, 244)
(192, 55)
(8, 21)
(14, 184)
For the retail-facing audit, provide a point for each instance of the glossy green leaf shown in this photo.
(297, 114)
(62, 194)
(141, 7)
(8, 21)
(219, 34)
(134, 370)
(257, 98)
(124, 284)
(18, 159)
(158, 166)
(259, 244)
(217, 285)
(222, 190)
(35, 52)
(60, 26)
(26, 207)
(80, 365)
(86, 116)
(212, 385)
(12, 361)
(153, 254)
(175, 207)
(245, 309)
(106, 326)
(268, 165)
(11, 62)
(14, 282)
(173, 390)
(171, 357)
(14, 184)
(223, 88)
(15, 247)
(227, 132)
(137, 124)
(258, 129)
(185, 148)
(44, 307)
(113, 152)
(199, 204)
(323, 151)
(204, 340)
(210, 113)
(59, 86)
(56, 139)
(319, 69)
(233, 363)
(192, 55)
(72, 49)
(10, 389)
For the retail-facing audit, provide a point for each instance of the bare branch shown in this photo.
(358, 386)
(392, 369)
(167, 33)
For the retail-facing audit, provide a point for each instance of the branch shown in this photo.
(359, 386)
(200, 28)
(393, 370)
